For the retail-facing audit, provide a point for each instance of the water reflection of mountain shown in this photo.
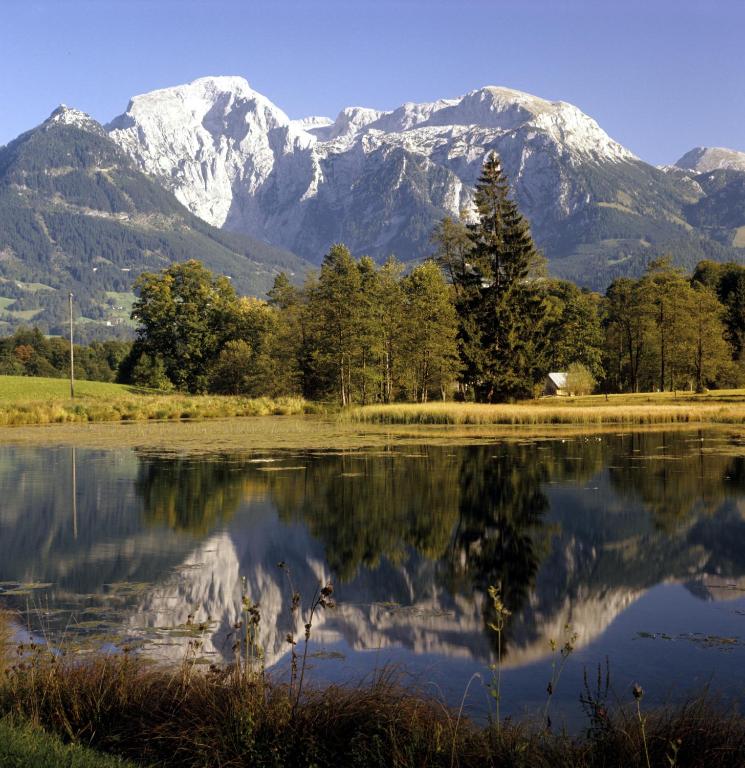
(574, 531)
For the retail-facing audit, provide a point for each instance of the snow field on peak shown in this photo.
(237, 161)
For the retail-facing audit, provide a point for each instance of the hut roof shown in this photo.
(559, 379)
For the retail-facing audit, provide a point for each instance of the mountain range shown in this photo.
(215, 169)
(77, 215)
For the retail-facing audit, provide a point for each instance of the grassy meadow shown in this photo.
(36, 400)
(31, 401)
(24, 746)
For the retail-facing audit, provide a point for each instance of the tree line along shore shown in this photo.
(481, 322)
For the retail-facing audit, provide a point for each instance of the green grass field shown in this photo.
(27, 747)
(14, 389)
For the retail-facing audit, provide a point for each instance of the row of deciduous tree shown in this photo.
(355, 331)
(666, 331)
(483, 319)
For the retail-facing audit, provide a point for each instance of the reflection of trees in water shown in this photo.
(500, 537)
(481, 513)
(190, 495)
(364, 508)
(674, 475)
(478, 510)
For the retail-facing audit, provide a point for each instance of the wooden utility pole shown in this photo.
(72, 356)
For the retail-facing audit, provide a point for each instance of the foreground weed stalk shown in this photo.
(247, 649)
(638, 692)
(500, 617)
(556, 669)
(290, 637)
(595, 704)
(321, 599)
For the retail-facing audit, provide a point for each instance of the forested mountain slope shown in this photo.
(77, 215)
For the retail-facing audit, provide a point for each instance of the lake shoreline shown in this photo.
(310, 432)
(235, 715)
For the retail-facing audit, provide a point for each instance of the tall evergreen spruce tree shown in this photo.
(500, 309)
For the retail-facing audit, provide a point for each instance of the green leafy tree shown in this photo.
(728, 282)
(370, 346)
(627, 324)
(335, 306)
(392, 323)
(573, 330)
(580, 380)
(292, 348)
(710, 355)
(431, 347)
(237, 372)
(149, 371)
(185, 315)
(252, 350)
(666, 298)
(453, 246)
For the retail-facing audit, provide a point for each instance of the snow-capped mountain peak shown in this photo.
(207, 101)
(207, 139)
(705, 159)
(350, 122)
(312, 122)
(237, 160)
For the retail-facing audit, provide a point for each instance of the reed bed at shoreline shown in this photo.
(30, 401)
(623, 413)
(27, 401)
(118, 709)
(152, 715)
(148, 408)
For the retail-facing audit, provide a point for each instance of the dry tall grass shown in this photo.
(145, 408)
(186, 717)
(527, 414)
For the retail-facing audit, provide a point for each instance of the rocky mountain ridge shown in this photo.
(378, 181)
(705, 159)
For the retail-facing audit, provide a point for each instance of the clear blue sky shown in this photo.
(661, 76)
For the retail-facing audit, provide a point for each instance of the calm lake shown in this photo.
(634, 543)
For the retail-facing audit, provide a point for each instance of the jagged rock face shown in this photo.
(705, 159)
(375, 180)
